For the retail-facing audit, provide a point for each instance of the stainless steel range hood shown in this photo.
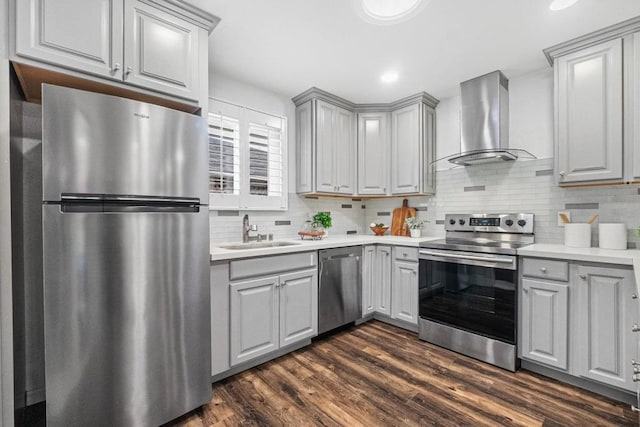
(484, 121)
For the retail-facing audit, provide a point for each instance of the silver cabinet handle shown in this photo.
(562, 174)
(415, 272)
(634, 296)
(634, 408)
(543, 269)
(635, 378)
(582, 276)
(116, 66)
(525, 290)
(128, 71)
(635, 328)
(404, 254)
(634, 363)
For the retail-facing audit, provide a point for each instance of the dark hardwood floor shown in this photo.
(379, 375)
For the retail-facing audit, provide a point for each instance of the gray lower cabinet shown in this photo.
(271, 312)
(376, 280)
(606, 313)
(579, 318)
(404, 288)
(254, 318)
(545, 317)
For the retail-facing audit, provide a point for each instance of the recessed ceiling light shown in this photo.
(389, 77)
(386, 12)
(561, 4)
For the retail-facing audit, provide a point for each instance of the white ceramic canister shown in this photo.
(577, 235)
(612, 235)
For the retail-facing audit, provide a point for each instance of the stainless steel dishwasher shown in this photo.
(340, 287)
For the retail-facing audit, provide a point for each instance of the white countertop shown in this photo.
(218, 253)
(610, 256)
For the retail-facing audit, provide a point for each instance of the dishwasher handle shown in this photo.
(339, 256)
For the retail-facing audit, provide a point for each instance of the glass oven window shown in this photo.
(481, 300)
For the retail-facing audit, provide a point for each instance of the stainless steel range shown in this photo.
(468, 286)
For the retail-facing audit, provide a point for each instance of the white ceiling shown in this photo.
(287, 46)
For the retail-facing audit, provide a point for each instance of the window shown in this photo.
(247, 162)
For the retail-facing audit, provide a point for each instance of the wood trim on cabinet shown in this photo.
(31, 79)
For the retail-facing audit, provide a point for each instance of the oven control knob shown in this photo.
(461, 221)
(452, 221)
(509, 222)
(522, 222)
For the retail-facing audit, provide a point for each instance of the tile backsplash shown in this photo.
(522, 186)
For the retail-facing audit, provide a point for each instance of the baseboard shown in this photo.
(395, 322)
(613, 393)
(260, 360)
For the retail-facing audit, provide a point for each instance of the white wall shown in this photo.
(530, 117)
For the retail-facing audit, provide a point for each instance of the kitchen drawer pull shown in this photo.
(635, 378)
(634, 296)
(582, 276)
(116, 66)
(634, 408)
(543, 269)
(635, 328)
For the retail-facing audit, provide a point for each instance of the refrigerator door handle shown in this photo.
(126, 198)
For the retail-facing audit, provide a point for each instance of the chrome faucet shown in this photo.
(245, 229)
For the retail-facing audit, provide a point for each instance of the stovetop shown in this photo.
(486, 233)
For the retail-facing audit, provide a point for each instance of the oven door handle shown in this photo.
(488, 258)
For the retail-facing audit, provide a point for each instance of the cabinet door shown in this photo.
(304, 145)
(382, 297)
(254, 318)
(429, 150)
(405, 150)
(298, 306)
(606, 312)
(325, 155)
(545, 322)
(84, 35)
(589, 114)
(373, 153)
(632, 102)
(160, 51)
(369, 278)
(344, 148)
(404, 301)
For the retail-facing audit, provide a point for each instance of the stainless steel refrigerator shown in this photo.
(126, 260)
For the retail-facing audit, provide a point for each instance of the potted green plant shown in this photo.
(415, 225)
(322, 220)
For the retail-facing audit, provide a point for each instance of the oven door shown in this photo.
(475, 292)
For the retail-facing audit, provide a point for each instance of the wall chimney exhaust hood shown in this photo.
(484, 122)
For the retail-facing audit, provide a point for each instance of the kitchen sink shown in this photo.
(257, 245)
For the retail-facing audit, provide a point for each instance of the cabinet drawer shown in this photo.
(406, 254)
(545, 269)
(262, 266)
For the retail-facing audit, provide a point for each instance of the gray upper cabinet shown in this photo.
(155, 45)
(326, 147)
(607, 311)
(405, 150)
(597, 105)
(392, 154)
(161, 50)
(84, 35)
(545, 322)
(589, 114)
(373, 153)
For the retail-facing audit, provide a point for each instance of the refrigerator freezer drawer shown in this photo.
(127, 321)
(101, 144)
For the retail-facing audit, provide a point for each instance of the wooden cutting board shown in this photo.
(398, 225)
